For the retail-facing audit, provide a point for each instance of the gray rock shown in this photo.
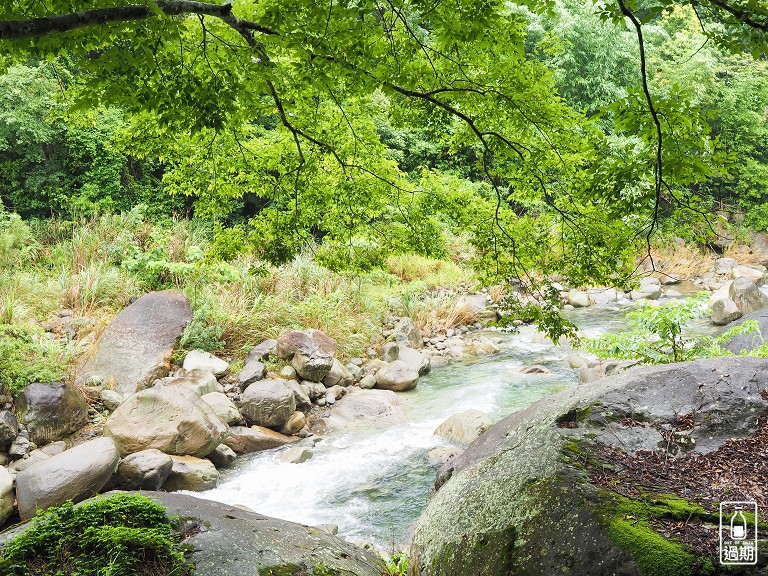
(199, 380)
(724, 311)
(478, 306)
(602, 296)
(406, 333)
(522, 486)
(9, 428)
(369, 408)
(267, 403)
(295, 455)
(755, 275)
(389, 352)
(314, 390)
(145, 470)
(367, 382)
(397, 376)
(355, 371)
(747, 296)
(262, 352)
(750, 341)
(303, 401)
(172, 419)
(464, 427)
(442, 454)
(223, 456)
(578, 298)
(331, 529)
(51, 411)
(417, 360)
(135, 349)
(202, 360)
(253, 371)
(296, 422)
(310, 352)
(32, 458)
(255, 439)
(536, 369)
(190, 473)
(238, 542)
(75, 474)
(338, 375)
(20, 444)
(111, 399)
(223, 407)
(725, 265)
(288, 373)
(669, 279)
(6, 496)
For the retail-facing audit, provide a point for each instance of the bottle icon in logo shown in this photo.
(738, 525)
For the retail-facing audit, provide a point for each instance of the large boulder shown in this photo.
(51, 411)
(223, 407)
(6, 495)
(75, 474)
(751, 340)
(724, 311)
(747, 296)
(172, 419)
(268, 403)
(145, 470)
(372, 409)
(190, 473)
(135, 349)
(244, 440)
(725, 265)
(310, 352)
(577, 298)
(415, 359)
(9, 428)
(755, 275)
(563, 487)
(464, 427)
(234, 541)
(397, 376)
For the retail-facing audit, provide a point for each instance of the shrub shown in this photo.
(24, 358)
(120, 535)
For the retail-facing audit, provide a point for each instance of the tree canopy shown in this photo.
(277, 103)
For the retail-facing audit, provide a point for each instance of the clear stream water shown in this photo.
(373, 483)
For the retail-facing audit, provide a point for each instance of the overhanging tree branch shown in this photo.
(61, 23)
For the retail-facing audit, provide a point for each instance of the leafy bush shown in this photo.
(24, 359)
(397, 564)
(121, 535)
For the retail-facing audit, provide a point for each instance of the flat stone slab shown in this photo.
(136, 347)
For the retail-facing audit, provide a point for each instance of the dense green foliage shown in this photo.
(120, 535)
(663, 333)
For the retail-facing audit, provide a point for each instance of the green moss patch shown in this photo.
(120, 535)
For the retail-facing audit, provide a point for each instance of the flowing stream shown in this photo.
(373, 483)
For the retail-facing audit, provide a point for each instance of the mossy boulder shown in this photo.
(525, 498)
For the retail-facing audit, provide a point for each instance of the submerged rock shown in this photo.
(526, 497)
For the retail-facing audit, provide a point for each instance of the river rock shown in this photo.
(6, 495)
(172, 419)
(478, 306)
(442, 454)
(252, 372)
(577, 298)
(111, 399)
(406, 333)
(202, 360)
(750, 341)
(238, 542)
(369, 408)
(262, 352)
(135, 348)
(464, 427)
(245, 440)
(222, 456)
(296, 422)
(536, 369)
(75, 474)
(145, 470)
(268, 403)
(389, 352)
(51, 411)
(725, 265)
(535, 481)
(303, 401)
(602, 296)
(747, 296)
(199, 380)
(9, 429)
(295, 455)
(314, 390)
(397, 376)
(223, 407)
(415, 359)
(310, 352)
(190, 473)
(368, 381)
(338, 375)
(724, 311)
(753, 274)
(288, 373)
